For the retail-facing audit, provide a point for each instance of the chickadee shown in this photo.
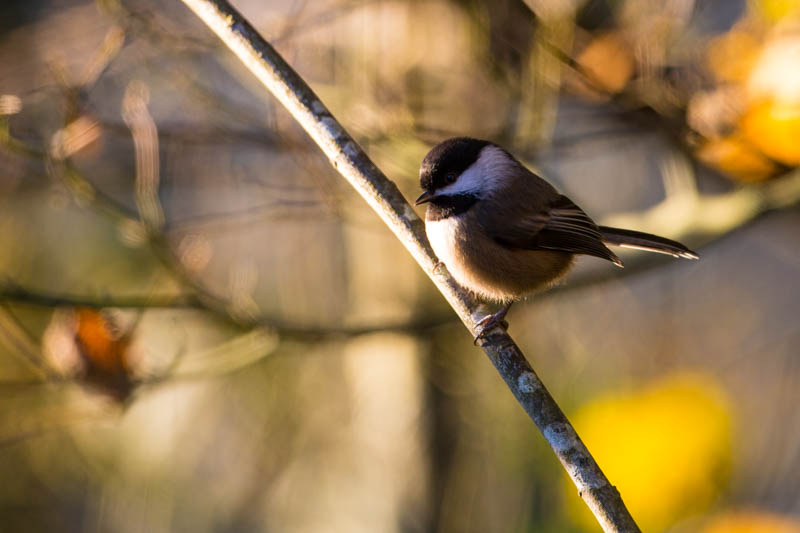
(503, 232)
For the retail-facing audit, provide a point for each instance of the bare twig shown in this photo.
(386, 200)
(199, 299)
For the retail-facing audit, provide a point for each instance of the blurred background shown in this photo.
(203, 328)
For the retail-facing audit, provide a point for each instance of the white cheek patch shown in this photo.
(469, 182)
(483, 175)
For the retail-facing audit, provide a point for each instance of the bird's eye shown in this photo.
(450, 177)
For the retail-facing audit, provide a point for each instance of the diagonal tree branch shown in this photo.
(386, 200)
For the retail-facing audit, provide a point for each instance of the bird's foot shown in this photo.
(437, 266)
(489, 322)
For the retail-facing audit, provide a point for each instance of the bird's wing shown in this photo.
(560, 225)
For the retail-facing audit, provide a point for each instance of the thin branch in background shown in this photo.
(112, 45)
(315, 20)
(198, 300)
(145, 142)
(385, 199)
(278, 209)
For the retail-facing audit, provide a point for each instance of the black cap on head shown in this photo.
(447, 160)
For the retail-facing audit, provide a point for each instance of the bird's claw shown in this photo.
(488, 323)
(437, 266)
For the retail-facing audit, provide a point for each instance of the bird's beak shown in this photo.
(424, 198)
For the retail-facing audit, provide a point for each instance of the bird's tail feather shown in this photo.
(644, 241)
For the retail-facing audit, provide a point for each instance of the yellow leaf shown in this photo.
(737, 158)
(775, 10)
(774, 128)
(666, 447)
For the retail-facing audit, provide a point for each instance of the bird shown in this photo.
(505, 233)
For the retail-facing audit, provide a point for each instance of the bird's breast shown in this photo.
(459, 243)
(443, 235)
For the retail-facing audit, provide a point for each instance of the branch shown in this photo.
(386, 200)
(201, 300)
